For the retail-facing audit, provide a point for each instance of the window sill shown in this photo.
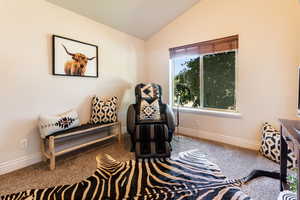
(217, 113)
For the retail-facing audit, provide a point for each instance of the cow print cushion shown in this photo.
(270, 146)
(104, 111)
(52, 124)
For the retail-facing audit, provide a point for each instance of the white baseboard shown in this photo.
(25, 161)
(19, 163)
(235, 141)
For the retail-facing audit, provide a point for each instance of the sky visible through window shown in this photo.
(179, 63)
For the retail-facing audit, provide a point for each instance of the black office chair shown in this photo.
(150, 123)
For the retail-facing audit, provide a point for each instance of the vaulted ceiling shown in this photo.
(140, 18)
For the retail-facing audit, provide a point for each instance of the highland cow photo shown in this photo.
(74, 58)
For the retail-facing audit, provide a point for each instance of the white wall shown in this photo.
(27, 86)
(268, 58)
(269, 53)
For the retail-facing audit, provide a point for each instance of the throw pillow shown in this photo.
(51, 124)
(104, 110)
(149, 111)
(270, 146)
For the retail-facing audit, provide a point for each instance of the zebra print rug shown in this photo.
(189, 176)
(287, 195)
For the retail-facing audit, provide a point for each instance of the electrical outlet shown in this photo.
(24, 143)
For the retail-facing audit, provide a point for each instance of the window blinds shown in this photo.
(207, 47)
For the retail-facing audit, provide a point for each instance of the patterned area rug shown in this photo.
(189, 176)
(287, 195)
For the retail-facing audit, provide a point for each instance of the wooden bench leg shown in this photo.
(52, 153)
(44, 158)
(52, 162)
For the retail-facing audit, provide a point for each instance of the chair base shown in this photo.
(152, 149)
(151, 140)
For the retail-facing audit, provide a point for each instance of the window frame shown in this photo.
(202, 109)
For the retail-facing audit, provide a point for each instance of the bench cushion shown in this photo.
(82, 129)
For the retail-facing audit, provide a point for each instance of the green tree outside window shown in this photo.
(218, 82)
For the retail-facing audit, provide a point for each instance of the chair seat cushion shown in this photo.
(86, 128)
(141, 122)
(270, 146)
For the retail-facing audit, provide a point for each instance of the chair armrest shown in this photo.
(131, 119)
(170, 117)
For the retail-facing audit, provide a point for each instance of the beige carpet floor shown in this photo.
(73, 167)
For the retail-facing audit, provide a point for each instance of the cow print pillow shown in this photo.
(270, 146)
(104, 111)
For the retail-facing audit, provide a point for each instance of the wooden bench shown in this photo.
(69, 140)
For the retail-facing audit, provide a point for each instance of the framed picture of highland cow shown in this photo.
(74, 58)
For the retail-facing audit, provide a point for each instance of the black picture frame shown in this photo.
(57, 65)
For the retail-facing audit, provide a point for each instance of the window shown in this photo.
(204, 75)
